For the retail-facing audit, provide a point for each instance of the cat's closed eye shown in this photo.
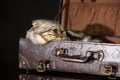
(54, 30)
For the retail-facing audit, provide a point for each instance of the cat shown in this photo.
(43, 31)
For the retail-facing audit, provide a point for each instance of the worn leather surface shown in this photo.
(30, 54)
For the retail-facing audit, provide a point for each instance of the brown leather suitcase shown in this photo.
(99, 18)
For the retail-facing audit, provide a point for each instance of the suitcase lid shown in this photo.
(95, 17)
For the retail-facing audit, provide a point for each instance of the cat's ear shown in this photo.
(36, 23)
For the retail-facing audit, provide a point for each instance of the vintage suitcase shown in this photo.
(99, 18)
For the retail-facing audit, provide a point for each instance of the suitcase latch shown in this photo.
(109, 69)
(95, 55)
(60, 51)
(41, 66)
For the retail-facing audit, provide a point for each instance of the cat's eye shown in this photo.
(54, 30)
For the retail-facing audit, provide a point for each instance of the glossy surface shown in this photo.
(32, 75)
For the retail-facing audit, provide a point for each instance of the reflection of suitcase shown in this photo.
(59, 76)
(101, 19)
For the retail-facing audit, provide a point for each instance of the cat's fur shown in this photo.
(44, 31)
(80, 36)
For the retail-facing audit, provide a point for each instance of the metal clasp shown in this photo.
(96, 55)
(108, 69)
(60, 51)
(41, 66)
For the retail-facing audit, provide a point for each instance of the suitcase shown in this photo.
(100, 18)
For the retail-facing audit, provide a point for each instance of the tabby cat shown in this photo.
(44, 31)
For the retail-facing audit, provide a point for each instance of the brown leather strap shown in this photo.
(60, 10)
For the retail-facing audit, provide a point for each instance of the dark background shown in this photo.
(16, 19)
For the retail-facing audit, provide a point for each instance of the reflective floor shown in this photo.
(12, 73)
(25, 75)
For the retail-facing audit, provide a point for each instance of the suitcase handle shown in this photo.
(89, 56)
(79, 60)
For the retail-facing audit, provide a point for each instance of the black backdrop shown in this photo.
(16, 20)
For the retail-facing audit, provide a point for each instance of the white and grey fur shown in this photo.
(80, 36)
(43, 31)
